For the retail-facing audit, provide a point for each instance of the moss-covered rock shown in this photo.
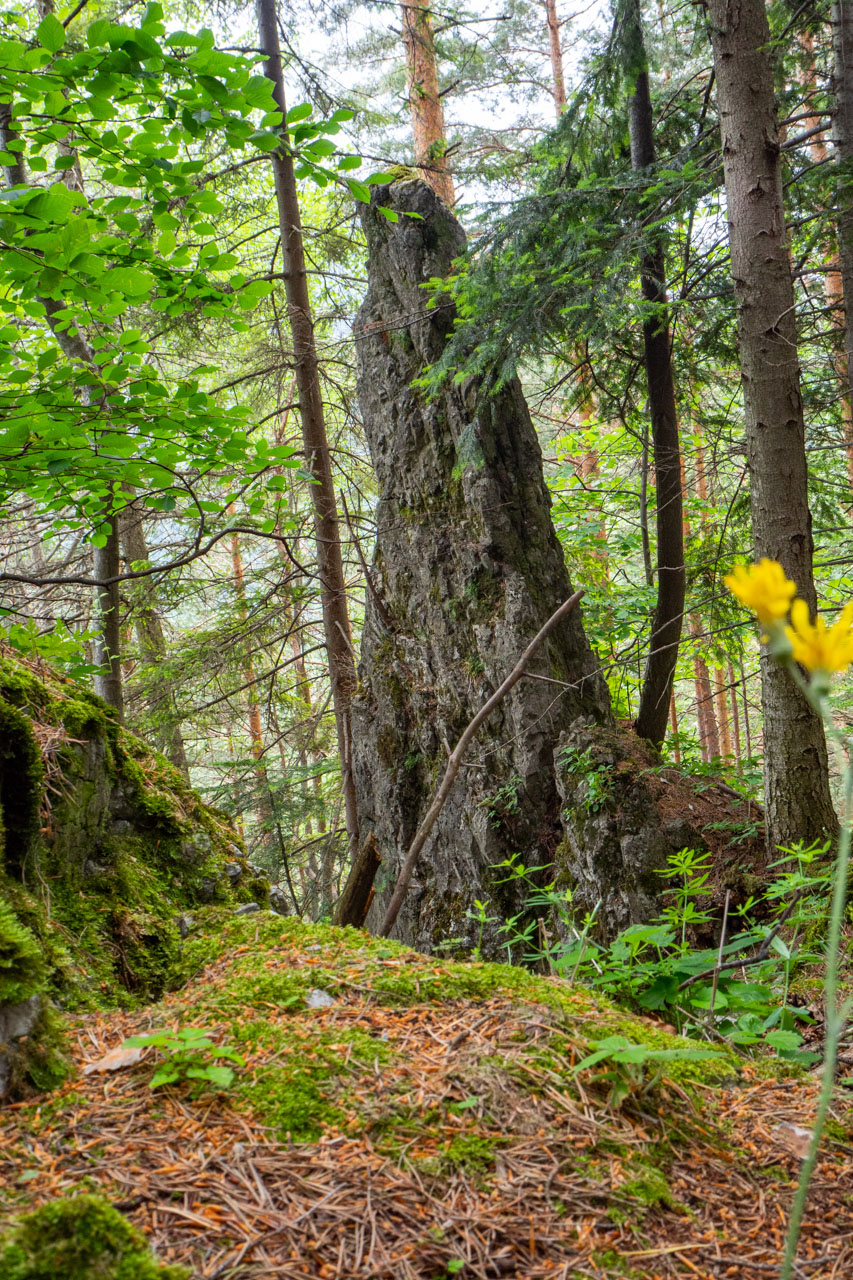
(79, 1238)
(103, 844)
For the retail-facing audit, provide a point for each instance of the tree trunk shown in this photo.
(336, 626)
(256, 737)
(466, 569)
(720, 699)
(107, 564)
(669, 610)
(796, 781)
(151, 638)
(842, 82)
(106, 559)
(735, 714)
(425, 99)
(558, 81)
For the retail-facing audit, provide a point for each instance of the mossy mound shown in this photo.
(79, 1238)
(103, 845)
(310, 1005)
(448, 1090)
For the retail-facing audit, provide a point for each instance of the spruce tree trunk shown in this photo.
(425, 99)
(668, 617)
(796, 782)
(336, 626)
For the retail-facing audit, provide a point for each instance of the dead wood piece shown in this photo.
(354, 903)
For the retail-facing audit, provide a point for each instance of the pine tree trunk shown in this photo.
(336, 626)
(425, 99)
(796, 781)
(722, 711)
(669, 609)
(558, 80)
(735, 714)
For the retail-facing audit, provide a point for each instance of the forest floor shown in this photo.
(425, 1122)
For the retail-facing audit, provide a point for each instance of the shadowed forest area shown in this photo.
(426, 620)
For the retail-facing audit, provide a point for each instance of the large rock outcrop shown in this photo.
(467, 568)
(103, 849)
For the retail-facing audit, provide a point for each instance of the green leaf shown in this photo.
(784, 1041)
(360, 190)
(302, 112)
(51, 33)
(130, 281)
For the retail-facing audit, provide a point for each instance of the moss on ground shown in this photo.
(79, 1238)
(300, 1070)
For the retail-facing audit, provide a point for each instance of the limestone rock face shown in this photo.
(615, 838)
(467, 568)
(103, 845)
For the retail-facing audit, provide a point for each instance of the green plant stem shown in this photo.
(835, 1015)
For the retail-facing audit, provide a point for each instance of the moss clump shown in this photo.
(474, 1153)
(23, 972)
(38, 1061)
(79, 1238)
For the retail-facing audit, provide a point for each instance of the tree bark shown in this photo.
(152, 639)
(669, 610)
(425, 99)
(842, 83)
(796, 781)
(336, 626)
(558, 80)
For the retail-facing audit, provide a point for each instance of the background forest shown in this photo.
(160, 525)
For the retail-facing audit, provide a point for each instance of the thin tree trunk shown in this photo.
(558, 80)
(722, 713)
(107, 564)
(151, 637)
(673, 724)
(709, 741)
(705, 718)
(735, 714)
(256, 736)
(669, 611)
(424, 98)
(336, 626)
(842, 285)
(796, 779)
(105, 560)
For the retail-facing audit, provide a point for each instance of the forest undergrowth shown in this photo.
(397, 1116)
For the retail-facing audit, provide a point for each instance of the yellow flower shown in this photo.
(818, 647)
(763, 588)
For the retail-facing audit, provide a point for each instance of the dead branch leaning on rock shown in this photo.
(454, 763)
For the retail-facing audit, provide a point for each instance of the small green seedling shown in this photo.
(187, 1055)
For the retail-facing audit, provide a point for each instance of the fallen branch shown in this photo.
(454, 763)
